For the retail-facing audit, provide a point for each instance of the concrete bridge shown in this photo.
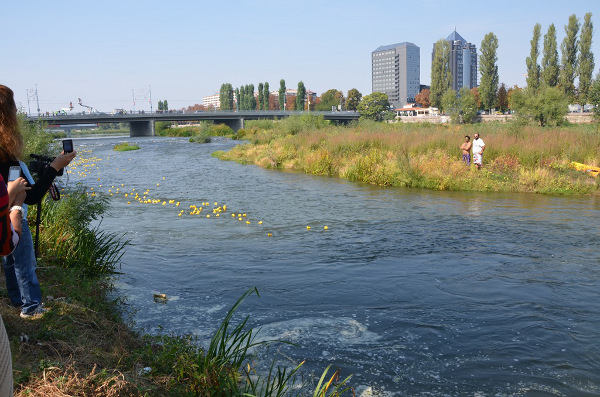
(142, 124)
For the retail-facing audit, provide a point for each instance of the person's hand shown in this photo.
(62, 160)
(16, 187)
(19, 198)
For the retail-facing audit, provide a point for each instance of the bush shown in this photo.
(67, 233)
(125, 146)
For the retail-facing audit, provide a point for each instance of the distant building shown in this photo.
(396, 71)
(463, 61)
(212, 101)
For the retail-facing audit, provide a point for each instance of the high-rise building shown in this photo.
(463, 61)
(396, 71)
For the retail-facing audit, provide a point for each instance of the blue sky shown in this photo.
(105, 52)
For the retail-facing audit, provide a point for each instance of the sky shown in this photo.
(109, 53)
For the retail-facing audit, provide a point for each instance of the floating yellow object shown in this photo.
(161, 298)
(592, 170)
(157, 184)
(307, 227)
(247, 222)
(208, 215)
(215, 203)
(233, 215)
(269, 235)
(260, 222)
(325, 227)
(129, 202)
(177, 205)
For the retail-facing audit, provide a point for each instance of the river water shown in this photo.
(413, 292)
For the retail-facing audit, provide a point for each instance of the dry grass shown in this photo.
(517, 158)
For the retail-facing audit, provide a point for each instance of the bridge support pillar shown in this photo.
(141, 128)
(235, 124)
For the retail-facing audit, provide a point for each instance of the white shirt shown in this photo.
(478, 146)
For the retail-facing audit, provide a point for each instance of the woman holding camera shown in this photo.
(19, 267)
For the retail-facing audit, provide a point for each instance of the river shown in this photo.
(414, 292)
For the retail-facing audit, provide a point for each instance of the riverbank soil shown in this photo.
(80, 347)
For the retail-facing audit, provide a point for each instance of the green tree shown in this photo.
(329, 99)
(237, 99)
(468, 106)
(160, 106)
(282, 92)
(260, 96)
(266, 96)
(503, 98)
(533, 69)
(441, 76)
(586, 60)
(568, 49)
(488, 87)
(594, 97)
(547, 107)
(165, 105)
(300, 96)
(226, 96)
(353, 99)
(252, 100)
(549, 76)
(374, 106)
(450, 105)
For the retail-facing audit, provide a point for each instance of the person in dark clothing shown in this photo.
(19, 267)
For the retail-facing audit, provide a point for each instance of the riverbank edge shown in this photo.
(85, 344)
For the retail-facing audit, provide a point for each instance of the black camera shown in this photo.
(39, 164)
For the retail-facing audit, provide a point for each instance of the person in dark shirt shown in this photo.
(19, 267)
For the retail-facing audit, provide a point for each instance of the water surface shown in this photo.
(414, 292)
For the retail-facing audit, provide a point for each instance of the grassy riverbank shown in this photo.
(84, 347)
(518, 158)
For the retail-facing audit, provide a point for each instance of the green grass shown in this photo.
(125, 146)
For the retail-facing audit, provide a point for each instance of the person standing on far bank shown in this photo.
(466, 150)
(478, 148)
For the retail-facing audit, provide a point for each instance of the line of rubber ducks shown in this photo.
(89, 163)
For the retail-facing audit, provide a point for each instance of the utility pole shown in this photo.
(28, 108)
(37, 99)
(150, 88)
(133, 95)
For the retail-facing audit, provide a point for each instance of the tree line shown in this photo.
(245, 98)
(551, 84)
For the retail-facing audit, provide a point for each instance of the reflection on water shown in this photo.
(413, 292)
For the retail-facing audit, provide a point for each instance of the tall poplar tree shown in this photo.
(237, 99)
(266, 96)
(586, 60)
(300, 96)
(533, 69)
(568, 62)
(549, 76)
(222, 96)
(282, 91)
(441, 76)
(246, 97)
(488, 86)
(260, 96)
(252, 99)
